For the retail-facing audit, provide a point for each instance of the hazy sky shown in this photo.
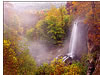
(36, 5)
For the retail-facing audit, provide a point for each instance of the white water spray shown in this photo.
(73, 40)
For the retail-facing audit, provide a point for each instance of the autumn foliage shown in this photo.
(52, 26)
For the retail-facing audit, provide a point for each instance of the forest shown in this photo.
(51, 38)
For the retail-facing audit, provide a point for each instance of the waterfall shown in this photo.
(73, 40)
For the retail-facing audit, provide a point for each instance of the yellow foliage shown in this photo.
(10, 60)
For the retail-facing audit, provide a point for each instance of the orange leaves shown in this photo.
(17, 61)
(10, 60)
(81, 8)
(90, 11)
(59, 68)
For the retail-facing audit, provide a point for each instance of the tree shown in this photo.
(17, 60)
(54, 26)
(27, 65)
(10, 61)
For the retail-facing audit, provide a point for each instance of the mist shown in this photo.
(25, 17)
(25, 14)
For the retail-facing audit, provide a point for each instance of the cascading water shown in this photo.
(78, 41)
(73, 42)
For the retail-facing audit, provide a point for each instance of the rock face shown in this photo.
(97, 67)
(94, 41)
(94, 50)
(91, 15)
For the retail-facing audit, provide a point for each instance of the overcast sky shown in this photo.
(36, 5)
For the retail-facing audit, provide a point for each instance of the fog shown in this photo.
(23, 14)
(20, 6)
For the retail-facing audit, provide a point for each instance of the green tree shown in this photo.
(27, 65)
(44, 69)
(54, 27)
